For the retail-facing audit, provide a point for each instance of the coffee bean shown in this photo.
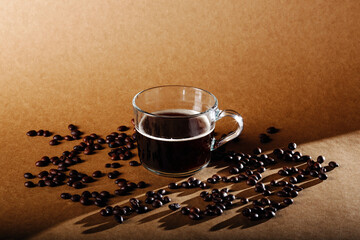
(119, 218)
(292, 146)
(115, 165)
(254, 216)
(122, 128)
(97, 174)
(288, 201)
(29, 184)
(293, 180)
(72, 127)
(244, 200)
(173, 186)
(272, 130)
(77, 185)
(314, 173)
(174, 206)
(141, 184)
(293, 193)
(75, 198)
(270, 214)
(87, 179)
(57, 137)
(185, 210)
(31, 133)
(41, 164)
(28, 175)
(322, 176)
(234, 170)
(141, 209)
(40, 132)
(333, 164)
(320, 159)
(88, 151)
(65, 195)
(194, 216)
(46, 133)
(134, 163)
(251, 182)
(41, 183)
(257, 151)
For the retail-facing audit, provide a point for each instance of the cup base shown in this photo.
(175, 175)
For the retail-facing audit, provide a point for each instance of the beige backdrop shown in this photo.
(292, 64)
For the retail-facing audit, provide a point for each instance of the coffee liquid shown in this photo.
(175, 143)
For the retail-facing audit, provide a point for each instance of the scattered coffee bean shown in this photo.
(46, 133)
(174, 206)
(141, 184)
(119, 218)
(257, 151)
(322, 176)
(28, 175)
(65, 195)
(115, 165)
(134, 163)
(75, 198)
(288, 201)
(292, 146)
(31, 133)
(333, 164)
(29, 184)
(97, 174)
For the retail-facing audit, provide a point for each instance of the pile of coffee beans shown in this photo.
(243, 167)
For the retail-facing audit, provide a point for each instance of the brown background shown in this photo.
(292, 64)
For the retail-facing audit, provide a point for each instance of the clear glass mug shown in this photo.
(175, 128)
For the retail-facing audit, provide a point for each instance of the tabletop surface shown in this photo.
(294, 65)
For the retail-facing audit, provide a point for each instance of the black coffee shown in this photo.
(174, 143)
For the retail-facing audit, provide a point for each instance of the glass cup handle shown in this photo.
(237, 117)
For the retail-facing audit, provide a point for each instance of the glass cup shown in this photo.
(175, 128)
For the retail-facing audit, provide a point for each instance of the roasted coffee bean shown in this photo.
(150, 193)
(65, 195)
(115, 165)
(234, 170)
(28, 175)
(108, 165)
(293, 193)
(174, 206)
(57, 137)
(131, 185)
(257, 151)
(88, 151)
(322, 176)
(40, 132)
(194, 216)
(149, 200)
(185, 210)
(269, 214)
(292, 146)
(46, 133)
(86, 194)
(41, 164)
(320, 159)
(254, 216)
(333, 164)
(272, 130)
(29, 184)
(251, 182)
(119, 218)
(234, 179)
(122, 128)
(314, 173)
(103, 213)
(173, 186)
(141, 184)
(120, 192)
(293, 180)
(246, 212)
(75, 198)
(72, 127)
(31, 133)
(185, 184)
(134, 163)
(244, 200)
(77, 185)
(97, 174)
(203, 185)
(141, 209)
(112, 175)
(288, 201)
(218, 211)
(68, 138)
(282, 183)
(41, 183)
(87, 179)
(267, 193)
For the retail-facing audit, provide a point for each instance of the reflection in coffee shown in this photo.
(174, 142)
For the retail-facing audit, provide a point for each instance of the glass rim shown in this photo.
(213, 107)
